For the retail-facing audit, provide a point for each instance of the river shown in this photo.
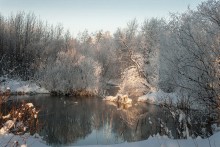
(92, 121)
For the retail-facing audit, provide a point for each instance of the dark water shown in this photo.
(91, 121)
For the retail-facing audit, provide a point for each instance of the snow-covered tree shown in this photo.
(152, 33)
(189, 57)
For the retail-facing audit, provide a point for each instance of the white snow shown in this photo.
(119, 98)
(158, 97)
(29, 105)
(110, 98)
(132, 84)
(182, 116)
(25, 140)
(20, 86)
(155, 141)
(6, 116)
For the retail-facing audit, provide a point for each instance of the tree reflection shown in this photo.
(68, 121)
(65, 123)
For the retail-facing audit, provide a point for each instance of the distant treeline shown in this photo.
(27, 42)
(180, 55)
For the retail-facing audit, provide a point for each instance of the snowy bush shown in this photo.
(70, 73)
(132, 84)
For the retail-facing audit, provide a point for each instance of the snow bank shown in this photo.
(16, 86)
(25, 140)
(163, 141)
(155, 141)
(159, 97)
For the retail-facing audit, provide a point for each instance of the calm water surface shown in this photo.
(91, 121)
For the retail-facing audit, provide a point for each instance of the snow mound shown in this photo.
(159, 97)
(16, 86)
(110, 98)
(29, 105)
(119, 98)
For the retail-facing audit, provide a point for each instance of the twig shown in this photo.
(9, 141)
(209, 142)
(178, 143)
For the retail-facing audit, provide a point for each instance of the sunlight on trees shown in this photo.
(180, 55)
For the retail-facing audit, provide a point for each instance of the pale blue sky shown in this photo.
(78, 15)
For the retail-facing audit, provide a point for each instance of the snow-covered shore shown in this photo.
(25, 140)
(158, 97)
(19, 86)
(155, 141)
(163, 141)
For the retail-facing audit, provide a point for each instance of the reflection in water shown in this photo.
(87, 121)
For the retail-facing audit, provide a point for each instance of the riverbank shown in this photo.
(19, 87)
(76, 106)
(175, 99)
